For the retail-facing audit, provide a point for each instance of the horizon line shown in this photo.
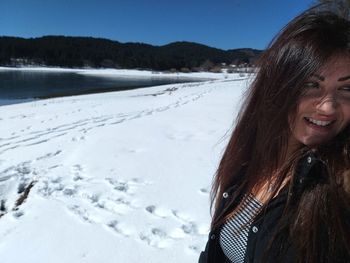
(130, 42)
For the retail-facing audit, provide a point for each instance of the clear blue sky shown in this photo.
(224, 24)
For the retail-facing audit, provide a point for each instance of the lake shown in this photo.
(22, 85)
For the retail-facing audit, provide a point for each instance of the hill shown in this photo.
(81, 52)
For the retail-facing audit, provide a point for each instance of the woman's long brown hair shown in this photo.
(318, 222)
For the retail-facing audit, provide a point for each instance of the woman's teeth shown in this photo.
(317, 122)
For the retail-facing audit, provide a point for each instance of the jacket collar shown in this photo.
(310, 171)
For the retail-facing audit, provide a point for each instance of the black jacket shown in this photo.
(264, 225)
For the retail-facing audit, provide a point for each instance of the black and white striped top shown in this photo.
(234, 233)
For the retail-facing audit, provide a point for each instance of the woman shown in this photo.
(280, 193)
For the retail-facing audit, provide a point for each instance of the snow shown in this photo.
(13, 101)
(118, 177)
(133, 73)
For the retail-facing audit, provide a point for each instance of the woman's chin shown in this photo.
(314, 142)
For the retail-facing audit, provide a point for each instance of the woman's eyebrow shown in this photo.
(344, 78)
(321, 78)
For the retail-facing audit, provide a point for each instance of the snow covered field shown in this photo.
(113, 177)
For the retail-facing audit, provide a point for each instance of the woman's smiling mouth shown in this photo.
(318, 125)
(319, 122)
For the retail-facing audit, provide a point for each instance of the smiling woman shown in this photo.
(281, 191)
(324, 106)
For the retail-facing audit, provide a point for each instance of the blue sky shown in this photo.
(222, 24)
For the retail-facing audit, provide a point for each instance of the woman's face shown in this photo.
(324, 107)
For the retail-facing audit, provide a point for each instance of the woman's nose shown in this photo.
(327, 105)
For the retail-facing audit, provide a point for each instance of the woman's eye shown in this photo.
(345, 88)
(310, 85)
(344, 93)
(311, 89)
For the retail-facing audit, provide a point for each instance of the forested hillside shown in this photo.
(96, 52)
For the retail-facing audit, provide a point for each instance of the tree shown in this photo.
(207, 65)
(340, 7)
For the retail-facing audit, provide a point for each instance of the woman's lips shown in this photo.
(319, 125)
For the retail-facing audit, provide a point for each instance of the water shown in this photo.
(17, 85)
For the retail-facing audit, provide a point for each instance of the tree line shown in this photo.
(82, 52)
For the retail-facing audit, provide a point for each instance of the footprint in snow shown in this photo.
(70, 190)
(204, 191)
(120, 228)
(189, 228)
(120, 207)
(157, 211)
(50, 186)
(185, 230)
(181, 216)
(78, 138)
(194, 249)
(156, 237)
(18, 214)
(82, 213)
(77, 172)
(118, 185)
(125, 187)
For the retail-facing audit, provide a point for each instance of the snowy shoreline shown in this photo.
(118, 176)
(117, 74)
(124, 72)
